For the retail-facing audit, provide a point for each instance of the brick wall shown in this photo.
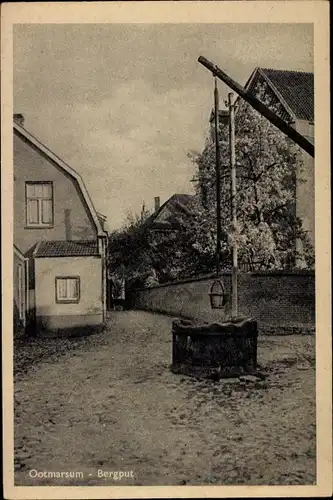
(281, 302)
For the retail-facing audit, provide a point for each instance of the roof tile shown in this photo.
(172, 213)
(67, 249)
(296, 88)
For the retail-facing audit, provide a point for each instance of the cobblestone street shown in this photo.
(112, 404)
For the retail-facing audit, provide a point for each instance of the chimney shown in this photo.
(19, 119)
(157, 203)
(68, 225)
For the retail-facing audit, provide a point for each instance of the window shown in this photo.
(67, 289)
(39, 204)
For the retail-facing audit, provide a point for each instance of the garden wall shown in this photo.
(281, 302)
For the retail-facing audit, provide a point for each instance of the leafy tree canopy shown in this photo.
(267, 163)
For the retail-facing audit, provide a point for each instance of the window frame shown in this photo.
(68, 300)
(40, 224)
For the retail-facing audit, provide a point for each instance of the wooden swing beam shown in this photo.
(260, 107)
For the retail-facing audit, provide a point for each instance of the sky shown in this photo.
(123, 104)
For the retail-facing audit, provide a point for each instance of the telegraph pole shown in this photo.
(234, 303)
(218, 180)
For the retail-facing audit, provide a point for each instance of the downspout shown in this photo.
(26, 291)
(103, 281)
(105, 271)
(102, 240)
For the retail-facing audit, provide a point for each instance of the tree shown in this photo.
(145, 256)
(128, 253)
(267, 162)
(267, 227)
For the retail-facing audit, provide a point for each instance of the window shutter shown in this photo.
(32, 209)
(61, 288)
(38, 190)
(73, 289)
(68, 289)
(46, 190)
(46, 211)
(39, 203)
(31, 190)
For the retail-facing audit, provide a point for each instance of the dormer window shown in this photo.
(39, 204)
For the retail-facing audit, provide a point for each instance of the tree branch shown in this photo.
(270, 212)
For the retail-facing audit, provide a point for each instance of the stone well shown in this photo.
(228, 348)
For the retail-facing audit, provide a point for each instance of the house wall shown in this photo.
(305, 186)
(280, 302)
(19, 288)
(89, 309)
(72, 219)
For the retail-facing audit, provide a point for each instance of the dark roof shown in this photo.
(172, 213)
(67, 249)
(223, 115)
(296, 89)
(19, 118)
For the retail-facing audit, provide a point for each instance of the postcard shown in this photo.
(166, 252)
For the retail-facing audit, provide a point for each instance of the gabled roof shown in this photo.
(223, 115)
(19, 254)
(66, 249)
(294, 90)
(103, 221)
(69, 170)
(172, 213)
